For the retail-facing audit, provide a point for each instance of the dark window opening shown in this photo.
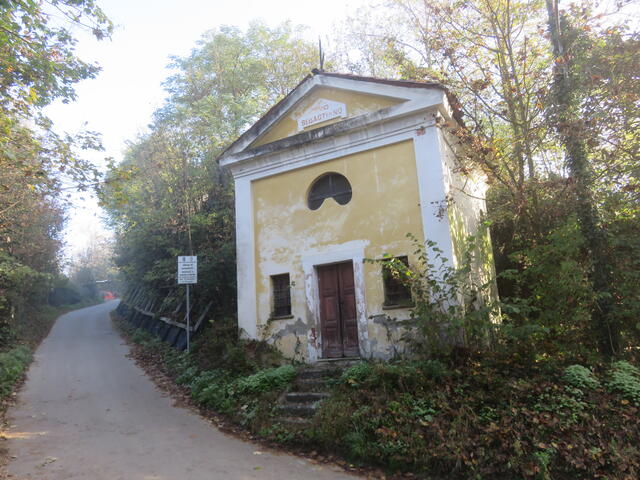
(281, 295)
(331, 185)
(396, 293)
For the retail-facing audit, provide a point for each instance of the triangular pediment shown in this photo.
(324, 99)
(324, 106)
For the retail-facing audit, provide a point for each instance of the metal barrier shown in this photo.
(145, 311)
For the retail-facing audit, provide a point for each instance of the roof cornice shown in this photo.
(411, 92)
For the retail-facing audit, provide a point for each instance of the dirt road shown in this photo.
(88, 412)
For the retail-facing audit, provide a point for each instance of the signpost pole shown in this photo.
(188, 319)
(188, 274)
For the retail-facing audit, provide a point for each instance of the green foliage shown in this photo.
(550, 310)
(212, 388)
(624, 378)
(402, 376)
(225, 393)
(13, 363)
(552, 155)
(19, 284)
(218, 346)
(186, 376)
(451, 308)
(187, 203)
(567, 406)
(141, 336)
(266, 380)
(357, 374)
(38, 65)
(580, 377)
(481, 420)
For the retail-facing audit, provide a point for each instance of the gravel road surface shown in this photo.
(88, 412)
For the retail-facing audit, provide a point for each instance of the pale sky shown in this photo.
(119, 103)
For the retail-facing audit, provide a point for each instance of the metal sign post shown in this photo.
(188, 274)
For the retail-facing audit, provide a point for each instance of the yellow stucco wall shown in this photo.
(357, 104)
(383, 209)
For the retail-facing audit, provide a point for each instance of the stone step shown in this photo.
(293, 423)
(342, 362)
(298, 410)
(305, 397)
(320, 373)
(318, 384)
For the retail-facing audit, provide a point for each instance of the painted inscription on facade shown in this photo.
(321, 111)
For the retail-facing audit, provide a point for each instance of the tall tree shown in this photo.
(574, 41)
(550, 148)
(168, 192)
(37, 66)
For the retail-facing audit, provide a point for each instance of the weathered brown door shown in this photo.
(338, 322)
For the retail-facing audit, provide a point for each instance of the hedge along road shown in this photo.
(88, 412)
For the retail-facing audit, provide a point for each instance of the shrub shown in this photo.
(140, 336)
(401, 376)
(266, 380)
(218, 347)
(12, 365)
(625, 379)
(179, 363)
(203, 381)
(580, 377)
(453, 310)
(357, 374)
(434, 369)
(216, 389)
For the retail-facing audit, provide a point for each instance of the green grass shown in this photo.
(13, 363)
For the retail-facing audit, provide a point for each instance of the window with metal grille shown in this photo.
(330, 185)
(396, 293)
(281, 295)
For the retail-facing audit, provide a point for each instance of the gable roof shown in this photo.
(314, 79)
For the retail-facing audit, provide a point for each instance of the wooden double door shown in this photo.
(338, 316)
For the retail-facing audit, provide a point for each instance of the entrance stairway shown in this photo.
(297, 406)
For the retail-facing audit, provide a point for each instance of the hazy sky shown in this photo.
(119, 103)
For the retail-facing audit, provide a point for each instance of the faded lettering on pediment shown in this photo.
(321, 111)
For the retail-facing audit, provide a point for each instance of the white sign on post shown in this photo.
(188, 274)
(187, 269)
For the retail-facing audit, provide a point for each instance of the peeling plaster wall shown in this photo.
(357, 104)
(289, 236)
(466, 211)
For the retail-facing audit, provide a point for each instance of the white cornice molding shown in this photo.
(413, 99)
(337, 146)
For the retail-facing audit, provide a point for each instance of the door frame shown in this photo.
(337, 282)
(351, 251)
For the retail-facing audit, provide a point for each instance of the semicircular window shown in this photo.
(330, 185)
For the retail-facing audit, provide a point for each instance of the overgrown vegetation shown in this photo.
(549, 100)
(487, 418)
(13, 363)
(38, 65)
(483, 421)
(552, 221)
(453, 308)
(230, 78)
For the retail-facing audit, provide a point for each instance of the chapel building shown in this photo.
(340, 171)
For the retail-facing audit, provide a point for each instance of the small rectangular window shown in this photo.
(396, 293)
(281, 295)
